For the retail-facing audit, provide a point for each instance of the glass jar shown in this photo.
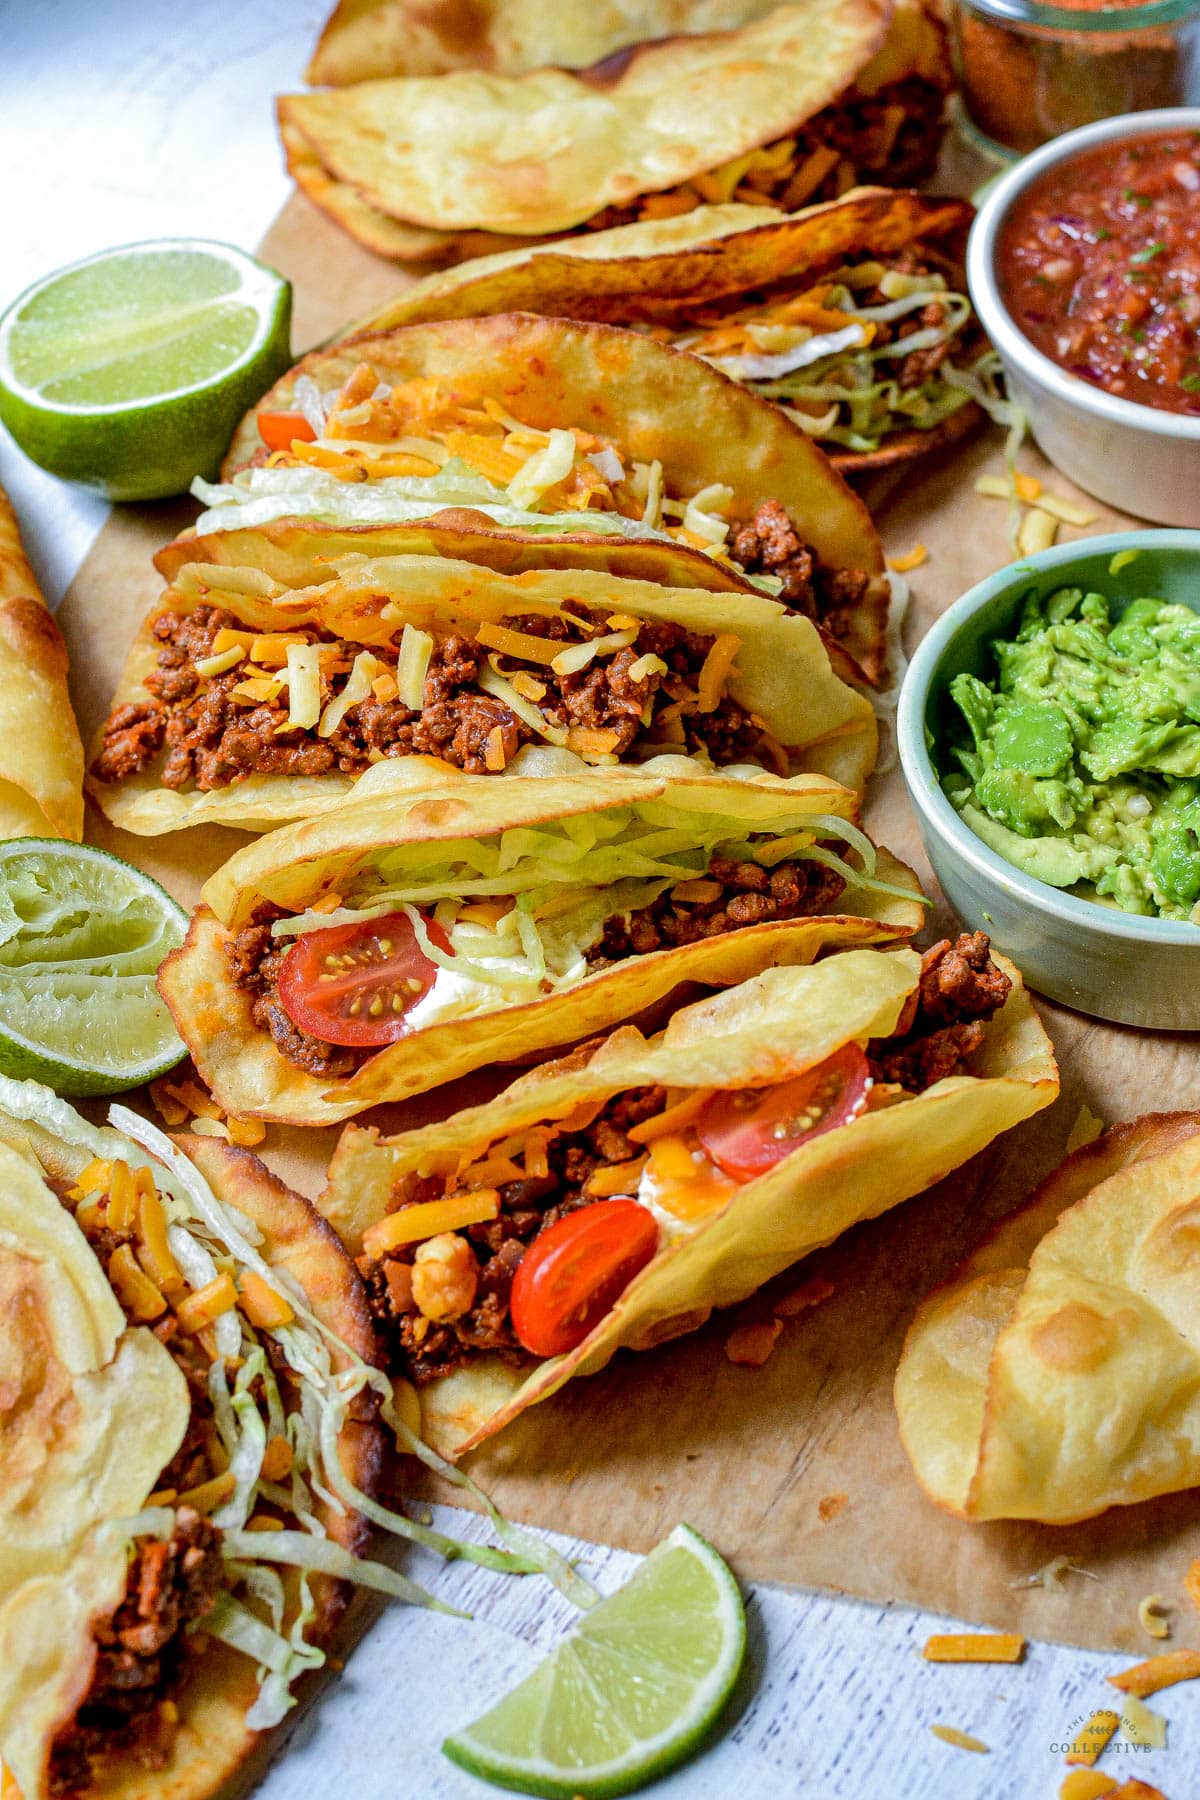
(1029, 72)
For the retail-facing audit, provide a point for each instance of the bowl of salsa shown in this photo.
(1084, 267)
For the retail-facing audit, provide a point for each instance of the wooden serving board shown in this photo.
(795, 1470)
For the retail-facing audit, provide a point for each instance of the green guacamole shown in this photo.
(1080, 761)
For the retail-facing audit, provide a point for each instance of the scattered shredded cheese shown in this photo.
(975, 1647)
(412, 665)
(1086, 1784)
(304, 685)
(950, 1734)
(1038, 531)
(1139, 1725)
(1159, 1672)
(1091, 1739)
(1150, 1616)
(912, 559)
(1051, 1575)
(208, 666)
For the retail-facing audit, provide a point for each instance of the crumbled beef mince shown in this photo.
(960, 989)
(769, 544)
(751, 895)
(212, 739)
(254, 958)
(142, 1651)
(422, 1349)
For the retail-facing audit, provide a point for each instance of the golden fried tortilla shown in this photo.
(41, 756)
(1057, 1373)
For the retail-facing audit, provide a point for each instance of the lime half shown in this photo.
(129, 371)
(81, 937)
(630, 1693)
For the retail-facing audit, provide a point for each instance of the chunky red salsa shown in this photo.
(1099, 264)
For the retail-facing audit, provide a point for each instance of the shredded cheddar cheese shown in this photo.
(1092, 1739)
(975, 1647)
(412, 1224)
(912, 559)
(950, 1734)
(1158, 1672)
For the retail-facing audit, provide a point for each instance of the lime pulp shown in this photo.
(130, 370)
(81, 937)
(632, 1691)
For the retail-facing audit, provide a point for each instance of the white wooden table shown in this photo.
(130, 119)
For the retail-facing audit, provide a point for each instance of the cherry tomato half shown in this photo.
(279, 430)
(354, 984)
(574, 1273)
(747, 1131)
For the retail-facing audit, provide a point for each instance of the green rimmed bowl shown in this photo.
(1110, 964)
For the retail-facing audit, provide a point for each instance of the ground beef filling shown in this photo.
(255, 958)
(211, 739)
(141, 1655)
(892, 137)
(749, 895)
(960, 988)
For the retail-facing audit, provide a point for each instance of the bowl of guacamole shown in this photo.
(1049, 732)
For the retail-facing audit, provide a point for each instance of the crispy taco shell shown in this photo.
(654, 403)
(365, 40)
(653, 270)
(41, 756)
(296, 866)
(92, 1410)
(770, 1029)
(410, 165)
(784, 677)
(1056, 1373)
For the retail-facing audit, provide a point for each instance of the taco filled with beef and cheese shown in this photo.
(521, 425)
(435, 923)
(614, 1198)
(853, 316)
(189, 1448)
(800, 105)
(282, 663)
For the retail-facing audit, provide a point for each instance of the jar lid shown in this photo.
(1111, 19)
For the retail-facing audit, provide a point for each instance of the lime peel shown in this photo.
(82, 934)
(634, 1690)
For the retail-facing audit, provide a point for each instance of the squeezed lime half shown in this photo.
(81, 937)
(129, 371)
(632, 1691)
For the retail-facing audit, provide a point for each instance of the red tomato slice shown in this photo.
(749, 1130)
(355, 984)
(574, 1273)
(278, 430)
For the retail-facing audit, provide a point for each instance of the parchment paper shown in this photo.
(747, 1456)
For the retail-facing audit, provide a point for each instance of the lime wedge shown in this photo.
(630, 1693)
(81, 937)
(130, 370)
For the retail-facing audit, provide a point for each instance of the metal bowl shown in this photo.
(1140, 459)
(1111, 964)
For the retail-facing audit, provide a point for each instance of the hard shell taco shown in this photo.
(613, 1198)
(140, 1469)
(421, 931)
(281, 663)
(552, 426)
(799, 105)
(189, 1450)
(853, 316)
(364, 40)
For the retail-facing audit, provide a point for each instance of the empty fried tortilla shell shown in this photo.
(392, 813)
(654, 271)
(1057, 1373)
(654, 403)
(92, 1409)
(41, 756)
(784, 675)
(364, 40)
(772, 1028)
(435, 169)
